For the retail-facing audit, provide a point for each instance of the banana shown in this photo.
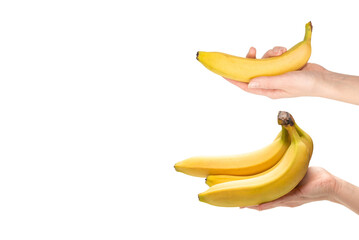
(289, 171)
(212, 180)
(242, 164)
(216, 179)
(244, 69)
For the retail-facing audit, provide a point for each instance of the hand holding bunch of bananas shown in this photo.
(256, 177)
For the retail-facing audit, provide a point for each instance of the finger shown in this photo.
(291, 199)
(279, 50)
(276, 51)
(269, 205)
(265, 206)
(279, 202)
(268, 54)
(271, 93)
(267, 82)
(275, 93)
(244, 86)
(251, 53)
(285, 201)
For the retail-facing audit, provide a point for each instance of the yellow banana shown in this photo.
(212, 180)
(242, 164)
(244, 69)
(216, 179)
(289, 171)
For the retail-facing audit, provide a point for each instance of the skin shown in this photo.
(312, 80)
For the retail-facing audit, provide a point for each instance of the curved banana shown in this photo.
(282, 179)
(244, 69)
(216, 179)
(242, 164)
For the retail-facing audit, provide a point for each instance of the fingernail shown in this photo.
(253, 85)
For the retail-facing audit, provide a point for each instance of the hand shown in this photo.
(318, 184)
(303, 82)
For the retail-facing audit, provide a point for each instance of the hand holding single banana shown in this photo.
(276, 75)
(303, 82)
(311, 80)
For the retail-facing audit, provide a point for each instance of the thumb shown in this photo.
(267, 82)
(251, 53)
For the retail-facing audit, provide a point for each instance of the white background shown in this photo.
(99, 99)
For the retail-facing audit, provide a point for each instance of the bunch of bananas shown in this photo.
(244, 69)
(256, 177)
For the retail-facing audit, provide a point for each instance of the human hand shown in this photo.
(304, 82)
(318, 184)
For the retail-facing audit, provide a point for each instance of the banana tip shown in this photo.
(178, 167)
(200, 198)
(197, 55)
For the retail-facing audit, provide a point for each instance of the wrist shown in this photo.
(325, 84)
(338, 86)
(335, 189)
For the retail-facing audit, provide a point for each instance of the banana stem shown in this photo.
(285, 118)
(308, 31)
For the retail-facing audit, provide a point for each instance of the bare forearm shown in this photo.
(346, 194)
(340, 87)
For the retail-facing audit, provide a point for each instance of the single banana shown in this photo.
(282, 179)
(242, 164)
(244, 69)
(212, 180)
(216, 179)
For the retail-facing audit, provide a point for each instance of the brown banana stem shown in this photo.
(285, 118)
